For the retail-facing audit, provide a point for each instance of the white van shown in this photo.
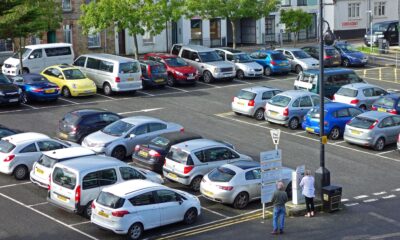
(37, 57)
(74, 184)
(110, 72)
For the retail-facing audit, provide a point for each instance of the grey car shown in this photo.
(246, 67)
(298, 59)
(120, 138)
(332, 57)
(189, 161)
(289, 108)
(238, 183)
(373, 129)
(361, 95)
(251, 101)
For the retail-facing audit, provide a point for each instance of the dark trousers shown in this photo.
(309, 204)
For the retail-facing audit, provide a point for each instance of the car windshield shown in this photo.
(360, 122)
(279, 100)
(243, 58)
(110, 200)
(118, 128)
(71, 118)
(314, 113)
(175, 62)
(129, 67)
(221, 174)
(278, 56)
(385, 102)
(4, 79)
(380, 27)
(160, 141)
(246, 95)
(36, 79)
(159, 68)
(178, 155)
(330, 52)
(47, 161)
(348, 92)
(73, 74)
(347, 48)
(25, 53)
(301, 54)
(209, 56)
(64, 178)
(6, 147)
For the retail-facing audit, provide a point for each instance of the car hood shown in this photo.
(358, 55)
(220, 64)
(250, 65)
(184, 69)
(12, 61)
(100, 137)
(309, 61)
(152, 176)
(9, 87)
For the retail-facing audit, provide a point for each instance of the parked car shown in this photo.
(331, 55)
(238, 183)
(189, 161)
(272, 61)
(77, 124)
(245, 66)
(373, 129)
(350, 56)
(153, 73)
(251, 101)
(9, 92)
(70, 80)
(119, 138)
(111, 73)
(389, 103)
(361, 95)
(207, 62)
(178, 70)
(5, 131)
(335, 119)
(289, 108)
(20, 151)
(298, 59)
(74, 184)
(387, 30)
(129, 207)
(398, 143)
(36, 87)
(41, 170)
(151, 155)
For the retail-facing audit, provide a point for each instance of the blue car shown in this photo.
(336, 117)
(272, 61)
(389, 103)
(36, 87)
(350, 56)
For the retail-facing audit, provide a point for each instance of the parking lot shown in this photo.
(204, 109)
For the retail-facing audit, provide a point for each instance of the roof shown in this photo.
(317, 46)
(25, 137)
(161, 55)
(335, 105)
(290, 49)
(86, 163)
(257, 89)
(268, 51)
(72, 152)
(150, 62)
(296, 93)
(358, 85)
(198, 48)
(198, 143)
(375, 115)
(140, 119)
(49, 45)
(87, 111)
(105, 56)
(330, 71)
(244, 165)
(178, 136)
(393, 96)
(127, 187)
(231, 50)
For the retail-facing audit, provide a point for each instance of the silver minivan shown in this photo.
(110, 72)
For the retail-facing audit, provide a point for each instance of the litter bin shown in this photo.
(331, 198)
(383, 46)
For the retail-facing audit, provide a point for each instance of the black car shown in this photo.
(5, 131)
(152, 154)
(76, 125)
(153, 73)
(9, 92)
(332, 57)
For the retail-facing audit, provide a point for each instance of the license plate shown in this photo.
(171, 175)
(240, 103)
(208, 193)
(364, 60)
(62, 198)
(49, 90)
(13, 100)
(282, 64)
(335, 62)
(190, 78)
(159, 80)
(40, 171)
(63, 135)
(273, 113)
(381, 110)
(355, 132)
(143, 154)
(103, 214)
(308, 129)
(131, 79)
(88, 91)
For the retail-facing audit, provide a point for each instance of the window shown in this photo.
(316, 100)
(108, 117)
(305, 102)
(285, 2)
(142, 129)
(229, 57)
(64, 178)
(176, 49)
(218, 154)
(93, 63)
(253, 174)
(58, 51)
(194, 56)
(80, 62)
(215, 28)
(221, 174)
(30, 148)
(66, 5)
(379, 8)
(354, 112)
(166, 196)
(379, 92)
(342, 113)
(267, 95)
(106, 66)
(6, 45)
(90, 181)
(185, 54)
(195, 26)
(302, 2)
(387, 122)
(368, 92)
(143, 199)
(107, 177)
(147, 38)
(36, 54)
(270, 28)
(157, 127)
(110, 200)
(67, 31)
(354, 10)
(91, 120)
(49, 72)
(49, 145)
(94, 40)
(128, 173)
(396, 120)
(296, 103)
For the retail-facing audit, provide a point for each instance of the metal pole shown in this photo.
(321, 85)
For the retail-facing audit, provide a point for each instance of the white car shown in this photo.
(19, 152)
(137, 205)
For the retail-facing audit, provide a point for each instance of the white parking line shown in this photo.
(396, 190)
(101, 95)
(389, 220)
(389, 196)
(143, 110)
(13, 185)
(79, 223)
(26, 105)
(38, 204)
(338, 142)
(370, 200)
(207, 84)
(379, 193)
(48, 216)
(344, 200)
(301, 132)
(182, 90)
(361, 196)
(381, 153)
(351, 204)
(67, 100)
(145, 93)
(241, 81)
(216, 213)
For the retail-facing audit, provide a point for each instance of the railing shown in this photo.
(382, 56)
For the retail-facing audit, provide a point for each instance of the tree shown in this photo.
(295, 20)
(138, 16)
(232, 10)
(21, 19)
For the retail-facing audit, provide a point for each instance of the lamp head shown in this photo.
(329, 37)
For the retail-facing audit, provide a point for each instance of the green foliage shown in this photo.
(295, 20)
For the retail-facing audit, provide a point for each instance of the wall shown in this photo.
(159, 44)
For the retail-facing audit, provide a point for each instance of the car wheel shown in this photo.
(66, 92)
(119, 153)
(267, 71)
(87, 211)
(240, 74)
(363, 107)
(294, 123)
(195, 184)
(171, 80)
(25, 70)
(208, 77)
(380, 144)
(21, 172)
(135, 231)
(241, 200)
(259, 114)
(190, 216)
(107, 89)
(335, 133)
(298, 69)
(24, 97)
(346, 62)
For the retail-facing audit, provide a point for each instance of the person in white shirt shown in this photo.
(307, 183)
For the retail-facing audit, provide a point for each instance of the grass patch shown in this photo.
(367, 50)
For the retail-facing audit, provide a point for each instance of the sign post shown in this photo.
(297, 197)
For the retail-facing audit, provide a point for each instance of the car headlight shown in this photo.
(380, 36)
(217, 70)
(1, 93)
(19, 91)
(197, 72)
(179, 73)
(251, 70)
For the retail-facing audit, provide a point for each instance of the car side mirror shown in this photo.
(132, 135)
(179, 199)
(60, 76)
(31, 57)
(197, 60)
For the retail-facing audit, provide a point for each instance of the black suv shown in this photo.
(153, 73)
(9, 92)
(76, 125)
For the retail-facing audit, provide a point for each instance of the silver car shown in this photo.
(361, 95)
(373, 129)
(238, 183)
(245, 65)
(120, 138)
(289, 108)
(298, 59)
(251, 101)
(189, 161)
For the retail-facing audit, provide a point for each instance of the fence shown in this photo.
(383, 56)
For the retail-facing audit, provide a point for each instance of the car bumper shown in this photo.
(116, 227)
(358, 141)
(64, 207)
(276, 119)
(43, 96)
(150, 165)
(97, 150)
(224, 75)
(6, 169)
(38, 181)
(13, 71)
(185, 79)
(281, 69)
(253, 73)
(242, 109)
(221, 197)
(179, 178)
(153, 83)
(68, 137)
(9, 100)
(128, 86)
(83, 92)
(398, 146)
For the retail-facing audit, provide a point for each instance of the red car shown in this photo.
(178, 70)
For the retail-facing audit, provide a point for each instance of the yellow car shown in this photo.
(71, 80)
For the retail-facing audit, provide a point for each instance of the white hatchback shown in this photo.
(137, 205)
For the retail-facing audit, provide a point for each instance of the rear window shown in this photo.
(221, 174)
(177, 155)
(64, 178)
(71, 118)
(347, 92)
(385, 102)
(278, 56)
(279, 100)
(246, 95)
(129, 67)
(314, 113)
(158, 69)
(46, 161)
(110, 200)
(360, 122)
(160, 141)
(330, 52)
(6, 147)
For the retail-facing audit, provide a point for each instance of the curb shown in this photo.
(300, 210)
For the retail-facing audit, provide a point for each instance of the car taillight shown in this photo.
(93, 206)
(393, 111)
(153, 153)
(137, 147)
(182, 130)
(149, 71)
(286, 112)
(326, 123)
(226, 188)
(119, 213)
(354, 101)
(9, 158)
(49, 185)
(373, 125)
(117, 79)
(234, 99)
(373, 108)
(251, 103)
(398, 138)
(78, 194)
(187, 169)
(37, 90)
(74, 129)
(327, 57)
(273, 63)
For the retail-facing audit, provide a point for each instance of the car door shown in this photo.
(388, 129)
(267, 95)
(377, 93)
(147, 209)
(368, 96)
(253, 182)
(396, 125)
(341, 116)
(35, 61)
(304, 106)
(290, 58)
(140, 137)
(155, 129)
(56, 77)
(28, 155)
(170, 206)
(90, 186)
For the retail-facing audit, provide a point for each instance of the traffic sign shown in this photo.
(275, 134)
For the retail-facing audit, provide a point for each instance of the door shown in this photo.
(342, 116)
(27, 156)
(35, 61)
(147, 209)
(253, 183)
(171, 209)
(389, 130)
(290, 57)
(51, 37)
(304, 107)
(377, 93)
(141, 136)
(90, 187)
(248, 30)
